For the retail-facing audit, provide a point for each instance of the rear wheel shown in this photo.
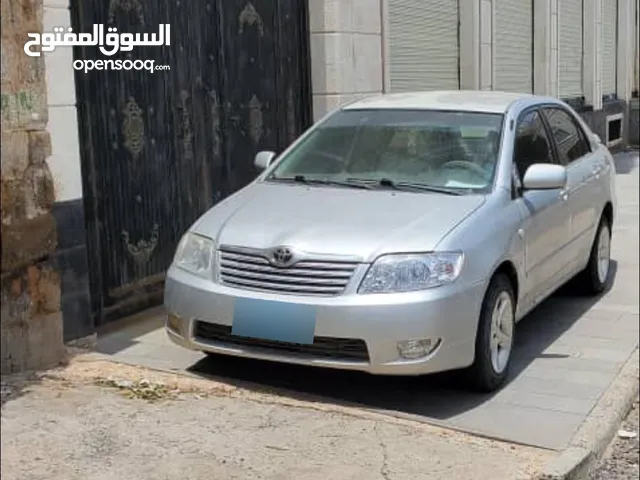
(594, 278)
(495, 337)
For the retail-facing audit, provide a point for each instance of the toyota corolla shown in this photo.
(403, 234)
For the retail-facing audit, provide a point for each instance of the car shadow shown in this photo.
(626, 161)
(437, 396)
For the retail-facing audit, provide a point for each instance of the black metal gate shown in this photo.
(159, 149)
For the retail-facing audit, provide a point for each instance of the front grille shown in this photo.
(323, 347)
(253, 271)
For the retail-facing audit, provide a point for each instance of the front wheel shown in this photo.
(495, 337)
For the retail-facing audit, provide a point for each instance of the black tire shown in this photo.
(588, 281)
(482, 376)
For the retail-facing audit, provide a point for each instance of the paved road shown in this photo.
(64, 427)
(568, 351)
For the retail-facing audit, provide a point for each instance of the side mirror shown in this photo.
(545, 176)
(263, 160)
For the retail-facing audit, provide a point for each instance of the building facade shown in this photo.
(582, 51)
(134, 159)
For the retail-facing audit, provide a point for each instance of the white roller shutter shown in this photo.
(570, 27)
(423, 45)
(609, 46)
(513, 46)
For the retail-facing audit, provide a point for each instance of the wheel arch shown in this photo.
(508, 269)
(607, 212)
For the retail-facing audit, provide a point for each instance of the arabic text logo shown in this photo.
(109, 43)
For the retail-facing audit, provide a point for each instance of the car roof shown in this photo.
(454, 100)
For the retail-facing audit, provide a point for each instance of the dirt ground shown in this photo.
(101, 421)
(621, 462)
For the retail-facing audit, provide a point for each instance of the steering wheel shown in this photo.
(467, 166)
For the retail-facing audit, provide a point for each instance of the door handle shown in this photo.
(596, 171)
(564, 195)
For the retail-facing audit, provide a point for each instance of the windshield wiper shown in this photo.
(388, 183)
(385, 182)
(369, 184)
(318, 181)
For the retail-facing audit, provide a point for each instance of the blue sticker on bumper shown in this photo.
(277, 321)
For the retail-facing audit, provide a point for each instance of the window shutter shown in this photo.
(570, 28)
(513, 45)
(423, 45)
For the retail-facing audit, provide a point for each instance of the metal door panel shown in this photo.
(158, 149)
(547, 237)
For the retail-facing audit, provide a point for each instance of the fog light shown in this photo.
(414, 349)
(174, 323)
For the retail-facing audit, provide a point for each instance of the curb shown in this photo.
(599, 428)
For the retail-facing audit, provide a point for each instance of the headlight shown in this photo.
(408, 273)
(195, 255)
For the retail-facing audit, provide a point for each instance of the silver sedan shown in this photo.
(403, 234)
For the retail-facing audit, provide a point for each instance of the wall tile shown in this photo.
(333, 69)
(366, 16)
(368, 63)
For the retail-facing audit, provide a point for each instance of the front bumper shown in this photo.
(448, 314)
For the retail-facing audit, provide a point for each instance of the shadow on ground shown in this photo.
(438, 396)
(626, 161)
(15, 386)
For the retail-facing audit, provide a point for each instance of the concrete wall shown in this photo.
(31, 321)
(70, 256)
(346, 51)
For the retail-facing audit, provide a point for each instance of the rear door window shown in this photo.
(570, 140)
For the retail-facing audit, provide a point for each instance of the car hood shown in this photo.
(335, 221)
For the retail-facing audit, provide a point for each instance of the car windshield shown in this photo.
(445, 151)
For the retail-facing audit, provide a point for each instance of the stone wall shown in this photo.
(31, 322)
(346, 52)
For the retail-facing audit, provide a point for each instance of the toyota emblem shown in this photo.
(282, 256)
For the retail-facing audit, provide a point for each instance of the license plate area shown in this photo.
(273, 320)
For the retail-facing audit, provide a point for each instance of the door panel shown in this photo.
(546, 226)
(546, 229)
(582, 186)
(160, 148)
(574, 152)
